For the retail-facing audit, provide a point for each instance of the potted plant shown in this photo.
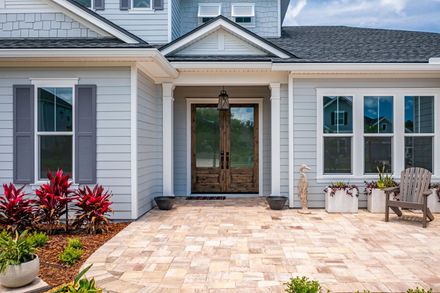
(375, 191)
(341, 197)
(434, 198)
(164, 202)
(276, 202)
(19, 265)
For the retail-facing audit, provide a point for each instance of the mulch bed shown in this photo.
(52, 271)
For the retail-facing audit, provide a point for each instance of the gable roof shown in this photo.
(341, 44)
(99, 21)
(230, 26)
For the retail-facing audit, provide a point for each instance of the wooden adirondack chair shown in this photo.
(414, 191)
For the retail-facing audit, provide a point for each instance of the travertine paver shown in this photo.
(240, 245)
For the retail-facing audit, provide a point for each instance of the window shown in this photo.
(362, 129)
(54, 130)
(243, 13)
(337, 123)
(378, 133)
(419, 131)
(141, 4)
(208, 11)
(86, 3)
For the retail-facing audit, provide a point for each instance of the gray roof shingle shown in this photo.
(43, 43)
(340, 44)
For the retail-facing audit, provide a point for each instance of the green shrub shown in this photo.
(70, 255)
(38, 239)
(303, 285)
(419, 290)
(80, 285)
(74, 243)
(15, 250)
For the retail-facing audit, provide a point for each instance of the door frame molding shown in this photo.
(257, 101)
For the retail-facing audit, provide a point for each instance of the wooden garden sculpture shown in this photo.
(303, 186)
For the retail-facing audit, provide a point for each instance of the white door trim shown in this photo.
(258, 101)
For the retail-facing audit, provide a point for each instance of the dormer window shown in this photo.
(208, 11)
(141, 4)
(243, 13)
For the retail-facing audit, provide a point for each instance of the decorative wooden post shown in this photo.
(303, 186)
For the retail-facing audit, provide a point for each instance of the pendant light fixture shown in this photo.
(223, 100)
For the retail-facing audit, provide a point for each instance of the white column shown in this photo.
(168, 138)
(275, 137)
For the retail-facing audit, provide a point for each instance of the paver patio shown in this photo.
(207, 246)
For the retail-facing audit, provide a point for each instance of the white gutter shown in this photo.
(222, 65)
(355, 67)
(435, 60)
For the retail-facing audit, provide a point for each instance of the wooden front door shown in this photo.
(224, 149)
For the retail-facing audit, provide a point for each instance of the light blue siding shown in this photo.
(113, 125)
(149, 142)
(266, 16)
(176, 18)
(152, 26)
(304, 124)
(42, 25)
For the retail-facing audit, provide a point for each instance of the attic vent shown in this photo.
(243, 10)
(209, 10)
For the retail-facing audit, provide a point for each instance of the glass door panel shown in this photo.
(207, 137)
(242, 137)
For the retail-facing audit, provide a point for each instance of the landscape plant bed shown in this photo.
(52, 271)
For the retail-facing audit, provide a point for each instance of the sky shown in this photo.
(414, 15)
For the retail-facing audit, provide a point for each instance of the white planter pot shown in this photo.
(433, 202)
(341, 202)
(20, 275)
(376, 201)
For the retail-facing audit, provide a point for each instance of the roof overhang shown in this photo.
(98, 21)
(149, 60)
(221, 22)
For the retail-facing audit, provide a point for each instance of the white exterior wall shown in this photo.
(149, 157)
(305, 125)
(113, 125)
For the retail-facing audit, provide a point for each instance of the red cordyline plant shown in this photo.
(93, 207)
(342, 186)
(16, 211)
(53, 198)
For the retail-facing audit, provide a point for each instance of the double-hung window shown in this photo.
(54, 128)
(419, 131)
(378, 133)
(364, 129)
(208, 11)
(243, 13)
(338, 131)
(141, 4)
(86, 3)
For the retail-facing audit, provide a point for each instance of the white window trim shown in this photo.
(398, 143)
(52, 82)
(243, 4)
(218, 5)
(140, 9)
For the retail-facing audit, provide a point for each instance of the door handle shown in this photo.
(227, 160)
(222, 159)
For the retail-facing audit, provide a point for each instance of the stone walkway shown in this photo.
(236, 244)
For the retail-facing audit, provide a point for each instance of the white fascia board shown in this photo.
(435, 60)
(222, 65)
(354, 67)
(96, 21)
(220, 23)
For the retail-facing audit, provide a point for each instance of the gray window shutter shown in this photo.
(124, 4)
(23, 125)
(85, 134)
(98, 4)
(157, 4)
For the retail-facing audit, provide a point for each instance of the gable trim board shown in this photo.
(99, 21)
(221, 22)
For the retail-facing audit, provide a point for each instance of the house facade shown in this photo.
(124, 93)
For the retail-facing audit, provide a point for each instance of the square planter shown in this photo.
(376, 201)
(341, 202)
(433, 202)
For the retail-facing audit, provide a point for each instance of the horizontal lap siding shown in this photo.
(152, 26)
(304, 124)
(113, 125)
(149, 143)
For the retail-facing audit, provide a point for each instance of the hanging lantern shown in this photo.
(223, 100)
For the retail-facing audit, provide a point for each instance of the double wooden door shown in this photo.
(224, 147)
